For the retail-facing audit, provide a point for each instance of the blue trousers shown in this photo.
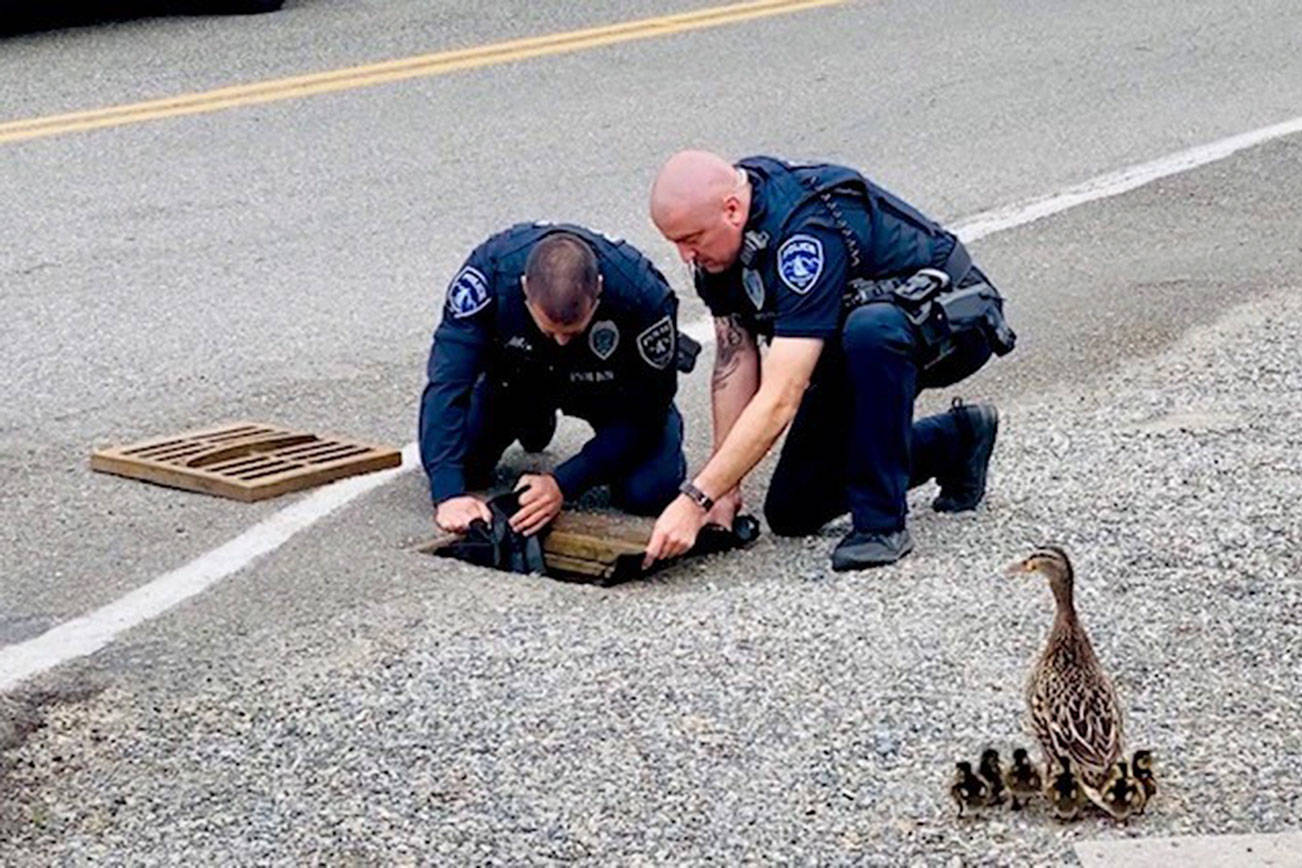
(854, 444)
(498, 416)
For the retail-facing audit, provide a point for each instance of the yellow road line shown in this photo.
(398, 70)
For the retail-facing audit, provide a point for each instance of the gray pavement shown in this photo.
(347, 699)
(287, 260)
(750, 707)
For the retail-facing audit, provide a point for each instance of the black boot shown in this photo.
(861, 549)
(965, 486)
(538, 432)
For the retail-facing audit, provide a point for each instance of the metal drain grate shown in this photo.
(244, 460)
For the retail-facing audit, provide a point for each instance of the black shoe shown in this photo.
(537, 433)
(963, 490)
(861, 549)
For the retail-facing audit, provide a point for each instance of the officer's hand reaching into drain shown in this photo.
(725, 509)
(675, 530)
(540, 502)
(456, 513)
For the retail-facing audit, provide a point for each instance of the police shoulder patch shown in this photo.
(468, 293)
(800, 262)
(603, 338)
(658, 343)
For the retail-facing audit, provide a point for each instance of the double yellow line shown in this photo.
(398, 70)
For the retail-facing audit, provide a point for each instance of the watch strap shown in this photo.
(700, 498)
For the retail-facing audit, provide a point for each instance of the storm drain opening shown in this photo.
(244, 461)
(580, 546)
(596, 548)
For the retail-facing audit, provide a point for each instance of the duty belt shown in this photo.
(912, 292)
(935, 303)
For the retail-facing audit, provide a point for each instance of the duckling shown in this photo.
(1073, 707)
(968, 790)
(1142, 765)
(1122, 793)
(993, 775)
(1022, 778)
(1065, 794)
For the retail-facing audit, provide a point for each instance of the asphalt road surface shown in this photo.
(346, 700)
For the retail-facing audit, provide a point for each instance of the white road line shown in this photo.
(700, 329)
(87, 634)
(1116, 183)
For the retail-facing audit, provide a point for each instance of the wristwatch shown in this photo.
(700, 498)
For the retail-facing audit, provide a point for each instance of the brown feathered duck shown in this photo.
(1073, 707)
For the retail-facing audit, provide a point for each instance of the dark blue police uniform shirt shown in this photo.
(619, 375)
(798, 279)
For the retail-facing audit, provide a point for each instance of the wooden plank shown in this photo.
(581, 545)
(607, 525)
(607, 540)
(246, 461)
(578, 566)
(607, 548)
(589, 546)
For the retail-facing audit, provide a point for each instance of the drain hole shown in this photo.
(141, 450)
(268, 470)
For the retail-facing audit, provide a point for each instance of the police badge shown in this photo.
(800, 262)
(468, 293)
(658, 343)
(603, 338)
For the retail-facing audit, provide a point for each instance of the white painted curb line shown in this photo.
(87, 634)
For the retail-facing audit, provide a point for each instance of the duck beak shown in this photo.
(1015, 569)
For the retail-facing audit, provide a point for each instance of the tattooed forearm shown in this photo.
(736, 375)
(730, 339)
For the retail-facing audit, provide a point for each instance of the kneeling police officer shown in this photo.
(544, 317)
(865, 302)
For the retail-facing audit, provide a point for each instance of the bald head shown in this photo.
(690, 181)
(701, 202)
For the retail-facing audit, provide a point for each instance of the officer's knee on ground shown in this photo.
(785, 518)
(645, 497)
(648, 490)
(875, 327)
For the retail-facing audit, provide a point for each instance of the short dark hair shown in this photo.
(561, 277)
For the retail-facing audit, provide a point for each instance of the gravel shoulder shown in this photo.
(759, 705)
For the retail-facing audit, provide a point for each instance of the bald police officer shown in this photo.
(864, 302)
(543, 318)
